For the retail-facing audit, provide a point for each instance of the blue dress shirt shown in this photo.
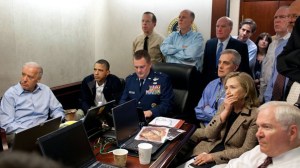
(172, 48)
(212, 94)
(269, 90)
(252, 52)
(20, 109)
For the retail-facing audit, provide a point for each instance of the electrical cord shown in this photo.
(102, 144)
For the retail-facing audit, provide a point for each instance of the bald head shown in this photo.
(185, 21)
(223, 28)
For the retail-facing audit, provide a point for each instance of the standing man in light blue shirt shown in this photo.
(28, 103)
(184, 46)
(214, 93)
(246, 29)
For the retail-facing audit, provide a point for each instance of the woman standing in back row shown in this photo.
(262, 42)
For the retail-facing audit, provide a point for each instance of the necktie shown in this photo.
(146, 43)
(141, 83)
(266, 163)
(220, 49)
(278, 88)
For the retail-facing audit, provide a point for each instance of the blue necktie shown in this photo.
(141, 83)
(219, 53)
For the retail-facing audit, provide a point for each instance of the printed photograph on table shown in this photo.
(153, 134)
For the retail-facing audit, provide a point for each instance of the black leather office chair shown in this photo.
(186, 86)
(3, 141)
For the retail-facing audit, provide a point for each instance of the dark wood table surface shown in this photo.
(163, 160)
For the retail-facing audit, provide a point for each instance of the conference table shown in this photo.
(163, 160)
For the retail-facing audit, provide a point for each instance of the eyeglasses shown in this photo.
(293, 16)
(280, 17)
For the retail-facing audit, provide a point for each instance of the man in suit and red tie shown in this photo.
(216, 45)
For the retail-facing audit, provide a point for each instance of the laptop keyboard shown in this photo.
(133, 145)
(101, 165)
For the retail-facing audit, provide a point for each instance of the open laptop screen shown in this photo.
(96, 117)
(26, 140)
(68, 145)
(126, 121)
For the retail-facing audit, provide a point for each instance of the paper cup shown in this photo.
(120, 157)
(145, 150)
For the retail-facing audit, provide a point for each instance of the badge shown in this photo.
(155, 79)
(131, 92)
(153, 105)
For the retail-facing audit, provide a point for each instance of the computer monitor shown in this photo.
(26, 140)
(98, 119)
(68, 145)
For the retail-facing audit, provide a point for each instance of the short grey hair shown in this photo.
(35, 65)
(285, 113)
(237, 56)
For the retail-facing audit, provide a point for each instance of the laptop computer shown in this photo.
(70, 146)
(127, 126)
(98, 119)
(26, 140)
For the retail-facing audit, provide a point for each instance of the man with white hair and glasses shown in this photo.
(278, 136)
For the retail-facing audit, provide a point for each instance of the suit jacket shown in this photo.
(156, 93)
(240, 138)
(288, 62)
(210, 71)
(112, 90)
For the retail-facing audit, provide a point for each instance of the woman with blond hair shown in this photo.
(232, 130)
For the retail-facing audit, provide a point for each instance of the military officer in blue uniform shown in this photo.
(152, 90)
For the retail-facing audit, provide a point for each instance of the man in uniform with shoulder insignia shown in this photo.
(152, 90)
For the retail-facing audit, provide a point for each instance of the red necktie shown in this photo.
(266, 163)
(278, 88)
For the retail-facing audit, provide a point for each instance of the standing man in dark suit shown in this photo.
(100, 87)
(288, 62)
(152, 90)
(215, 46)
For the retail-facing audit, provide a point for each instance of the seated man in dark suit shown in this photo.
(152, 90)
(100, 87)
(215, 46)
